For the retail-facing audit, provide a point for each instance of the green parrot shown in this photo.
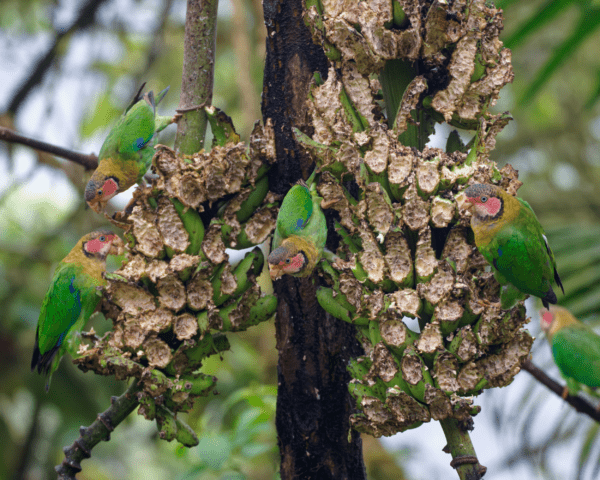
(575, 348)
(73, 296)
(300, 234)
(127, 151)
(510, 237)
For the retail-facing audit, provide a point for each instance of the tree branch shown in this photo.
(90, 162)
(198, 74)
(89, 437)
(464, 459)
(86, 17)
(578, 403)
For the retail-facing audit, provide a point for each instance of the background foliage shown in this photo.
(93, 70)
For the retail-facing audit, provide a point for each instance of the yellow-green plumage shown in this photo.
(72, 297)
(510, 237)
(127, 151)
(300, 235)
(575, 348)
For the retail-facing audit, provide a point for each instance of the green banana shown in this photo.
(263, 310)
(185, 434)
(147, 407)
(252, 263)
(221, 127)
(206, 347)
(417, 389)
(331, 306)
(249, 206)
(193, 224)
(166, 424)
(199, 384)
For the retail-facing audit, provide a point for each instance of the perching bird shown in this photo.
(510, 237)
(300, 234)
(575, 348)
(73, 296)
(127, 152)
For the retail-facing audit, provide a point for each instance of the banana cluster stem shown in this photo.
(90, 436)
(464, 459)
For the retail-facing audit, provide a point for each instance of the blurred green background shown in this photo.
(95, 65)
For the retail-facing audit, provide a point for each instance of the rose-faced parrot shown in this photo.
(300, 233)
(510, 237)
(127, 151)
(575, 348)
(74, 294)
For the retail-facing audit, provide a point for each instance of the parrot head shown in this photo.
(486, 200)
(555, 318)
(99, 190)
(292, 257)
(101, 243)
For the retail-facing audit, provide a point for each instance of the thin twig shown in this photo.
(86, 17)
(89, 162)
(578, 403)
(89, 437)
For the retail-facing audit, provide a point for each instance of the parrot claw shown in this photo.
(176, 117)
(328, 203)
(565, 393)
(115, 222)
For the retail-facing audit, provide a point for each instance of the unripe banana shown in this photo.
(357, 369)
(199, 384)
(411, 365)
(331, 306)
(263, 310)
(185, 434)
(193, 224)
(252, 263)
(249, 206)
(166, 424)
(147, 407)
(206, 347)
(221, 127)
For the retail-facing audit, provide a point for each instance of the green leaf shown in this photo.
(589, 22)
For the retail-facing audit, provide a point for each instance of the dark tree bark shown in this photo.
(313, 403)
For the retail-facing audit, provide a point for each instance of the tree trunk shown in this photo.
(313, 403)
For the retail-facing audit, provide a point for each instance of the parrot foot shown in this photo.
(328, 203)
(565, 392)
(487, 303)
(117, 223)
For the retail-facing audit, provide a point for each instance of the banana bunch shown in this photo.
(405, 250)
(177, 293)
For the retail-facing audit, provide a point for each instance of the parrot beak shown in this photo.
(275, 272)
(117, 246)
(97, 205)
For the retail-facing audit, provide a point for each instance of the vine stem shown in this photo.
(90, 436)
(198, 74)
(464, 459)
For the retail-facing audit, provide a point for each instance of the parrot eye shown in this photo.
(484, 199)
(287, 260)
(100, 192)
(102, 238)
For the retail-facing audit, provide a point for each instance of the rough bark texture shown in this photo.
(291, 60)
(313, 404)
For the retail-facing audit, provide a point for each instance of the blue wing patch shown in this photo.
(299, 224)
(141, 143)
(500, 252)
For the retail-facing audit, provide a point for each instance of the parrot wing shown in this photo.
(67, 299)
(295, 212)
(519, 253)
(576, 351)
(548, 249)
